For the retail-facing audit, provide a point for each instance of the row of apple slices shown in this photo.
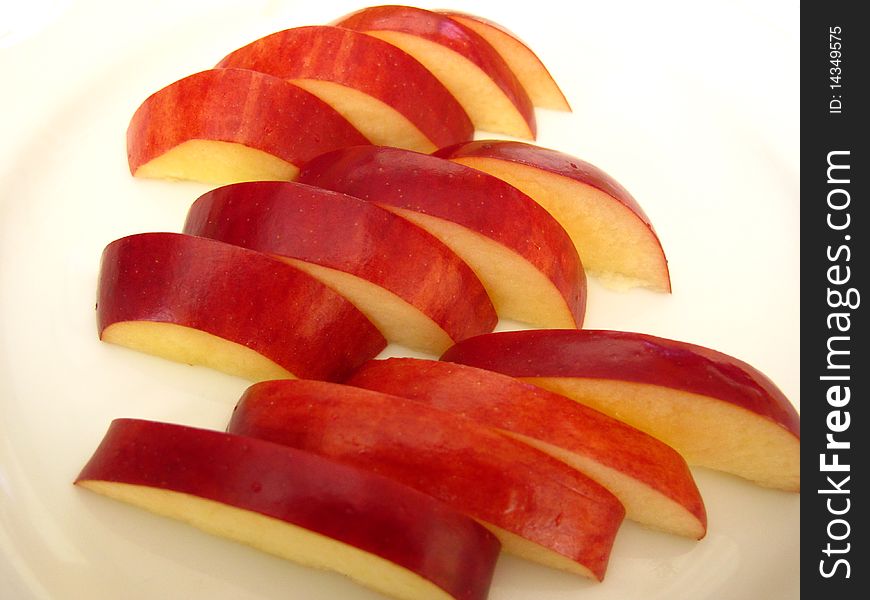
(386, 75)
(261, 281)
(550, 477)
(423, 287)
(474, 451)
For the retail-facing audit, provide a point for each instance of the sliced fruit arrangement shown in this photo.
(469, 66)
(226, 125)
(386, 93)
(524, 258)
(298, 506)
(201, 301)
(387, 75)
(716, 410)
(356, 210)
(535, 78)
(416, 290)
(540, 508)
(650, 478)
(614, 237)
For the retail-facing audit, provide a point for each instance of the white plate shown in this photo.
(692, 106)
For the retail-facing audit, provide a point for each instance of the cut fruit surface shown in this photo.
(467, 65)
(191, 346)
(555, 515)
(614, 237)
(416, 290)
(386, 93)
(524, 258)
(202, 301)
(651, 479)
(717, 411)
(228, 125)
(297, 506)
(542, 89)
(214, 161)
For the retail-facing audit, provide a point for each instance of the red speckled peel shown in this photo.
(474, 469)
(364, 63)
(244, 107)
(641, 469)
(238, 295)
(611, 231)
(366, 511)
(554, 161)
(611, 369)
(479, 202)
(441, 29)
(351, 235)
(531, 72)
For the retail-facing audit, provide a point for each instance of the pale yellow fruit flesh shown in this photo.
(397, 320)
(518, 290)
(516, 545)
(276, 537)
(531, 72)
(643, 504)
(381, 124)
(614, 244)
(708, 432)
(216, 162)
(486, 104)
(194, 347)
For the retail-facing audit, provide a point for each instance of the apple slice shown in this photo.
(228, 125)
(524, 258)
(613, 235)
(387, 95)
(542, 89)
(540, 508)
(204, 302)
(467, 65)
(651, 480)
(416, 290)
(298, 506)
(717, 411)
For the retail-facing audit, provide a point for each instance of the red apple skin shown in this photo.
(428, 184)
(365, 63)
(509, 484)
(557, 163)
(509, 404)
(288, 122)
(441, 29)
(360, 508)
(349, 234)
(237, 294)
(463, 17)
(628, 356)
(547, 159)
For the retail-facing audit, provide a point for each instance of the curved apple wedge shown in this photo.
(651, 479)
(467, 65)
(542, 89)
(416, 290)
(540, 508)
(297, 506)
(614, 237)
(524, 258)
(716, 410)
(204, 302)
(384, 92)
(228, 125)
